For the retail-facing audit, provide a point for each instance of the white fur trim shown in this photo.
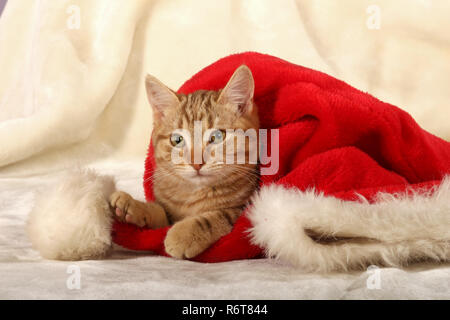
(393, 231)
(73, 220)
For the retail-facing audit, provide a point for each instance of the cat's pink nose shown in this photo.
(197, 166)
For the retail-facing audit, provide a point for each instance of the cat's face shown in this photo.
(195, 137)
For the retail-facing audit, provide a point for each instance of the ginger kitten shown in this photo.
(202, 198)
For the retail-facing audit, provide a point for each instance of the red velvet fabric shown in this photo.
(332, 137)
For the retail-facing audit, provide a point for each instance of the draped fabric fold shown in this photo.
(71, 81)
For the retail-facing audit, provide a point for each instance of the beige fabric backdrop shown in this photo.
(71, 86)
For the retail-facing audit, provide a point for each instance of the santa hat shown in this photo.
(358, 181)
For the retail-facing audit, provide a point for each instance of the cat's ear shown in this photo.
(239, 90)
(160, 97)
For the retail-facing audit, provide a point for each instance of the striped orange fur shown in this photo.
(203, 199)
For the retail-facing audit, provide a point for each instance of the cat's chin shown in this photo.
(201, 179)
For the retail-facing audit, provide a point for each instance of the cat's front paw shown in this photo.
(186, 240)
(127, 209)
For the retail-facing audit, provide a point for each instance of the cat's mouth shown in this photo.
(205, 175)
(200, 177)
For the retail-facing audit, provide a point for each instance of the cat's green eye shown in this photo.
(177, 140)
(217, 136)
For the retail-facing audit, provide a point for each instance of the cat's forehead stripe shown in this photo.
(197, 106)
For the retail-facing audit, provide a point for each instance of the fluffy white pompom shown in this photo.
(72, 221)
